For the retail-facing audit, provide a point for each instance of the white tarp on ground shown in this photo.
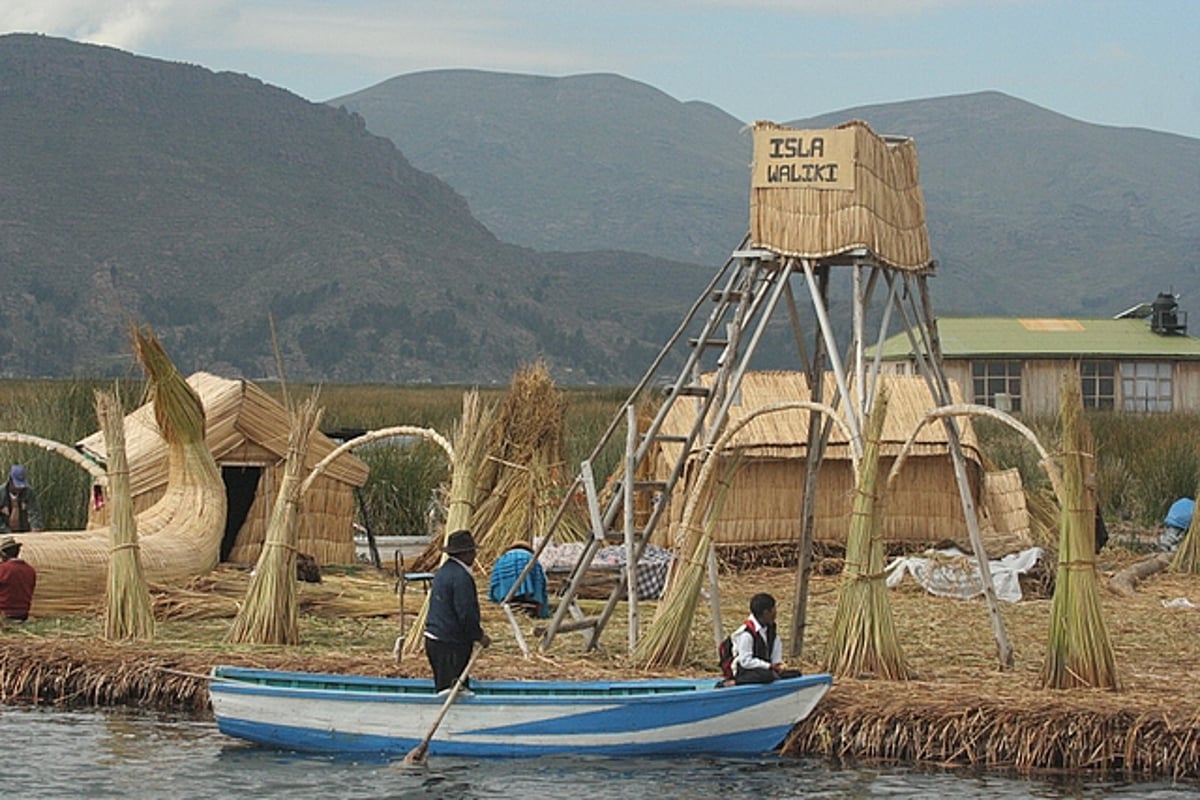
(952, 573)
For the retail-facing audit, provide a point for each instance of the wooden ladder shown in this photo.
(743, 294)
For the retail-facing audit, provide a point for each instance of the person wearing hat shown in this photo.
(17, 580)
(19, 509)
(452, 625)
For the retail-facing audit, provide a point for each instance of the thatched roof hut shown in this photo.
(247, 433)
(764, 504)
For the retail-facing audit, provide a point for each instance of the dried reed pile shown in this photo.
(127, 611)
(864, 639)
(1079, 652)
(521, 481)
(219, 595)
(520, 478)
(1187, 557)
(856, 722)
(470, 443)
(269, 615)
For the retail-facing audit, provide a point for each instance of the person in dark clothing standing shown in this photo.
(452, 625)
(19, 509)
(17, 581)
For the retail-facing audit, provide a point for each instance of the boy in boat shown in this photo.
(757, 650)
(452, 625)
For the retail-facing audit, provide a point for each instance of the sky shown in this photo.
(1129, 63)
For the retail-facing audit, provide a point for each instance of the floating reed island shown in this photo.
(959, 708)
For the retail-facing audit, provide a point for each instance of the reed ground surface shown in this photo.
(961, 709)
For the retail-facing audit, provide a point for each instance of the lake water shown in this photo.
(122, 754)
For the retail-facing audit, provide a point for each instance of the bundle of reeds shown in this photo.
(522, 480)
(520, 477)
(1078, 651)
(864, 639)
(666, 641)
(269, 614)
(470, 443)
(128, 611)
(1187, 557)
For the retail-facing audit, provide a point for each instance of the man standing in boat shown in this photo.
(452, 626)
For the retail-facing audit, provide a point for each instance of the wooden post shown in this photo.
(631, 556)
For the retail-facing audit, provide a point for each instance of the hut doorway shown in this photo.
(241, 485)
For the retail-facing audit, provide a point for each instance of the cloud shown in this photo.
(846, 8)
(127, 24)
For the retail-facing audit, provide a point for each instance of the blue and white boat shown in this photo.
(324, 713)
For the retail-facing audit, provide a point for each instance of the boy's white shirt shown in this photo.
(743, 647)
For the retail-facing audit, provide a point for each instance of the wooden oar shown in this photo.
(419, 755)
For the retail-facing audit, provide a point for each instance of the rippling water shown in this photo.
(105, 754)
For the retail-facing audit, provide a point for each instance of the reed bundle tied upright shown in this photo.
(269, 614)
(665, 643)
(1079, 652)
(1187, 557)
(129, 613)
(864, 638)
(470, 444)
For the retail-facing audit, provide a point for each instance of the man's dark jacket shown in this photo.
(453, 605)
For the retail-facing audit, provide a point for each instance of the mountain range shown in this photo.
(448, 226)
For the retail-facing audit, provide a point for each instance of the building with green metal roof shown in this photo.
(1142, 360)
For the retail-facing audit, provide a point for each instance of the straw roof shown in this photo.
(883, 210)
(244, 425)
(784, 435)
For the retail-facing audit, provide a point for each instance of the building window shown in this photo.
(1146, 386)
(1098, 380)
(997, 384)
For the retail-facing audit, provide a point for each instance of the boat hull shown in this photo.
(350, 714)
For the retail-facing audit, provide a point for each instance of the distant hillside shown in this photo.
(587, 162)
(1032, 212)
(1029, 212)
(136, 190)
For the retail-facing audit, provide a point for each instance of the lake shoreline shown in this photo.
(1087, 732)
(960, 711)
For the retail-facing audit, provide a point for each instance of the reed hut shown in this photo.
(765, 501)
(247, 432)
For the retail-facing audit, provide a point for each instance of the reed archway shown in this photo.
(374, 436)
(98, 473)
(976, 410)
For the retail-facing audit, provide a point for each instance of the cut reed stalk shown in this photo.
(1187, 557)
(269, 615)
(864, 638)
(128, 610)
(1078, 653)
(665, 643)
(470, 442)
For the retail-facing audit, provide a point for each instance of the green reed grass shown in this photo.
(65, 412)
(403, 480)
(1143, 461)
